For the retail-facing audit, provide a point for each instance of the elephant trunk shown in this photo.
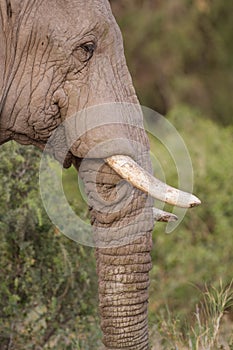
(122, 220)
(123, 293)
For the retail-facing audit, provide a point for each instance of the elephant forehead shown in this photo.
(75, 17)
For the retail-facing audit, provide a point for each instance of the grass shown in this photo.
(208, 331)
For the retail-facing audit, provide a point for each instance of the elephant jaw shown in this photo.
(130, 171)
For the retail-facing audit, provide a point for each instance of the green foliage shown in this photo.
(199, 251)
(46, 280)
(205, 332)
(180, 52)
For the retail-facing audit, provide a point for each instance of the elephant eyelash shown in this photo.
(85, 51)
(89, 48)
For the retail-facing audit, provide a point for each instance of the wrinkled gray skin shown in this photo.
(56, 58)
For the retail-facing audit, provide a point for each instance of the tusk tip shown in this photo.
(162, 216)
(194, 202)
(169, 218)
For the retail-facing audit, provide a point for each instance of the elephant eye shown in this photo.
(85, 51)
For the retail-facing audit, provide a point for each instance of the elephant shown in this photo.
(60, 57)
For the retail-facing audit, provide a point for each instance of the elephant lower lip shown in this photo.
(63, 157)
(27, 140)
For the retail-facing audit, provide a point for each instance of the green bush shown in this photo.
(199, 251)
(47, 282)
(180, 52)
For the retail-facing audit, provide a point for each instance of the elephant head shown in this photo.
(61, 57)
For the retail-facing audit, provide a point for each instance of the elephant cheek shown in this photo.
(90, 146)
(105, 130)
(108, 140)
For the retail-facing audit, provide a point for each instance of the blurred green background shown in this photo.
(180, 55)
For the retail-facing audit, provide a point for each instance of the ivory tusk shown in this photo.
(129, 170)
(163, 216)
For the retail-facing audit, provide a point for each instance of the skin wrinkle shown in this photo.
(144, 249)
(47, 49)
(126, 279)
(38, 84)
(140, 258)
(123, 299)
(23, 72)
(116, 287)
(30, 8)
(110, 338)
(43, 73)
(9, 9)
(103, 221)
(8, 86)
(129, 326)
(13, 33)
(125, 334)
(104, 70)
(139, 246)
(45, 106)
(25, 48)
(1, 15)
(125, 311)
(114, 325)
(4, 50)
(47, 114)
(113, 332)
(117, 68)
(4, 29)
(33, 67)
(103, 207)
